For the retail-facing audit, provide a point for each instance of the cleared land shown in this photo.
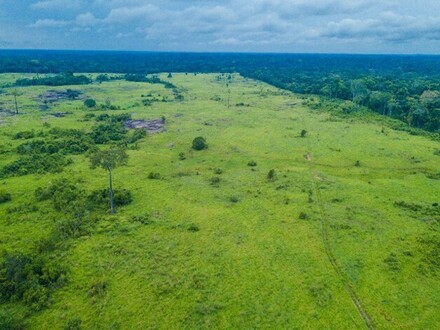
(221, 245)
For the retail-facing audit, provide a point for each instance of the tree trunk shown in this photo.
(16, 104)
(112, 202)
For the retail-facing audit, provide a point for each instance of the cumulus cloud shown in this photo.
(86, 19)
(49, 23)
(57, 4)
(235, 24)
(126, 14)
(387, 27)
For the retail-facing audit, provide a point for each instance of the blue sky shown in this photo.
(329, 26)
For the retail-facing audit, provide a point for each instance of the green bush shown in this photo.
(71, 228)
(252, 163)
(90, 103)
(144, 219)
(199, 143)
(24, 135)
(58, 80)
(193, 228)
(74, 324)
(8, 321)
(234, 199)
(28, 279)
(137, 135)
(104, 133)
(36, 164)
(303, 216)
(65, 146)
(101, 198)
(36, 297)
(215, 181)
(121, 118)
(154, 176)
(5, 197)
(271, 175)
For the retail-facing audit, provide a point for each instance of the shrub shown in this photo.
(36, 297)
(199, 143)
(88, 116)
(36, 164)
(215, 180)
(303, 216)
(154, 176)
(4, 197)
(182, 156)
(108, 132)
(193, 228)
(271, 175)
(98, 289)
(234, 199)
(101, 198)
(71, 228)
(218, 171)
(137, 135)
(24, 135)
(29, 279)
(64, 145)
(90, 103)
(144, 219)
(303, 133)
(10, 322)
(74, 324)
(252, 163)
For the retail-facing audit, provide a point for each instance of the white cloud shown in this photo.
(49, 23)
(124, 14)
(57, 4)
(387, 27)
(233, 24)
(86, 19)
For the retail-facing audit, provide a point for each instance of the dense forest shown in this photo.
(402, 87)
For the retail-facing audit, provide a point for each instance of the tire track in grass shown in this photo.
(323, 219)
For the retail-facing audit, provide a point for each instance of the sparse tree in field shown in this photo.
(90, 103)
(72, 94)
(199, 143)
(16, 93)
(108, 160)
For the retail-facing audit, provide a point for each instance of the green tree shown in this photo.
(16, 93)
(108, 160)
(199, 143)
(90, 103)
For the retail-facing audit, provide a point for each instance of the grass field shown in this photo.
(239, 251)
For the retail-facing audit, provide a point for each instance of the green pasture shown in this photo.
(239, 251)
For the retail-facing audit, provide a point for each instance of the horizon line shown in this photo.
(212, 52)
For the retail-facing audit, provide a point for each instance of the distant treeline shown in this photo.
(57, 80)
(403, 87)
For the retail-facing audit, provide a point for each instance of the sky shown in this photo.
(293, 26)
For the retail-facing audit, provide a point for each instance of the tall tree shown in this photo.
(109, 159)
(16, 93)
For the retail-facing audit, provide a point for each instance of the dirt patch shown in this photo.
(151, 126)
(59, 114)
(53, 96)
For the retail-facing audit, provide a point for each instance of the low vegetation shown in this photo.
(292, 218)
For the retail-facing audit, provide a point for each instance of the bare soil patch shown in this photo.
(52, 96)
(151, 126)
